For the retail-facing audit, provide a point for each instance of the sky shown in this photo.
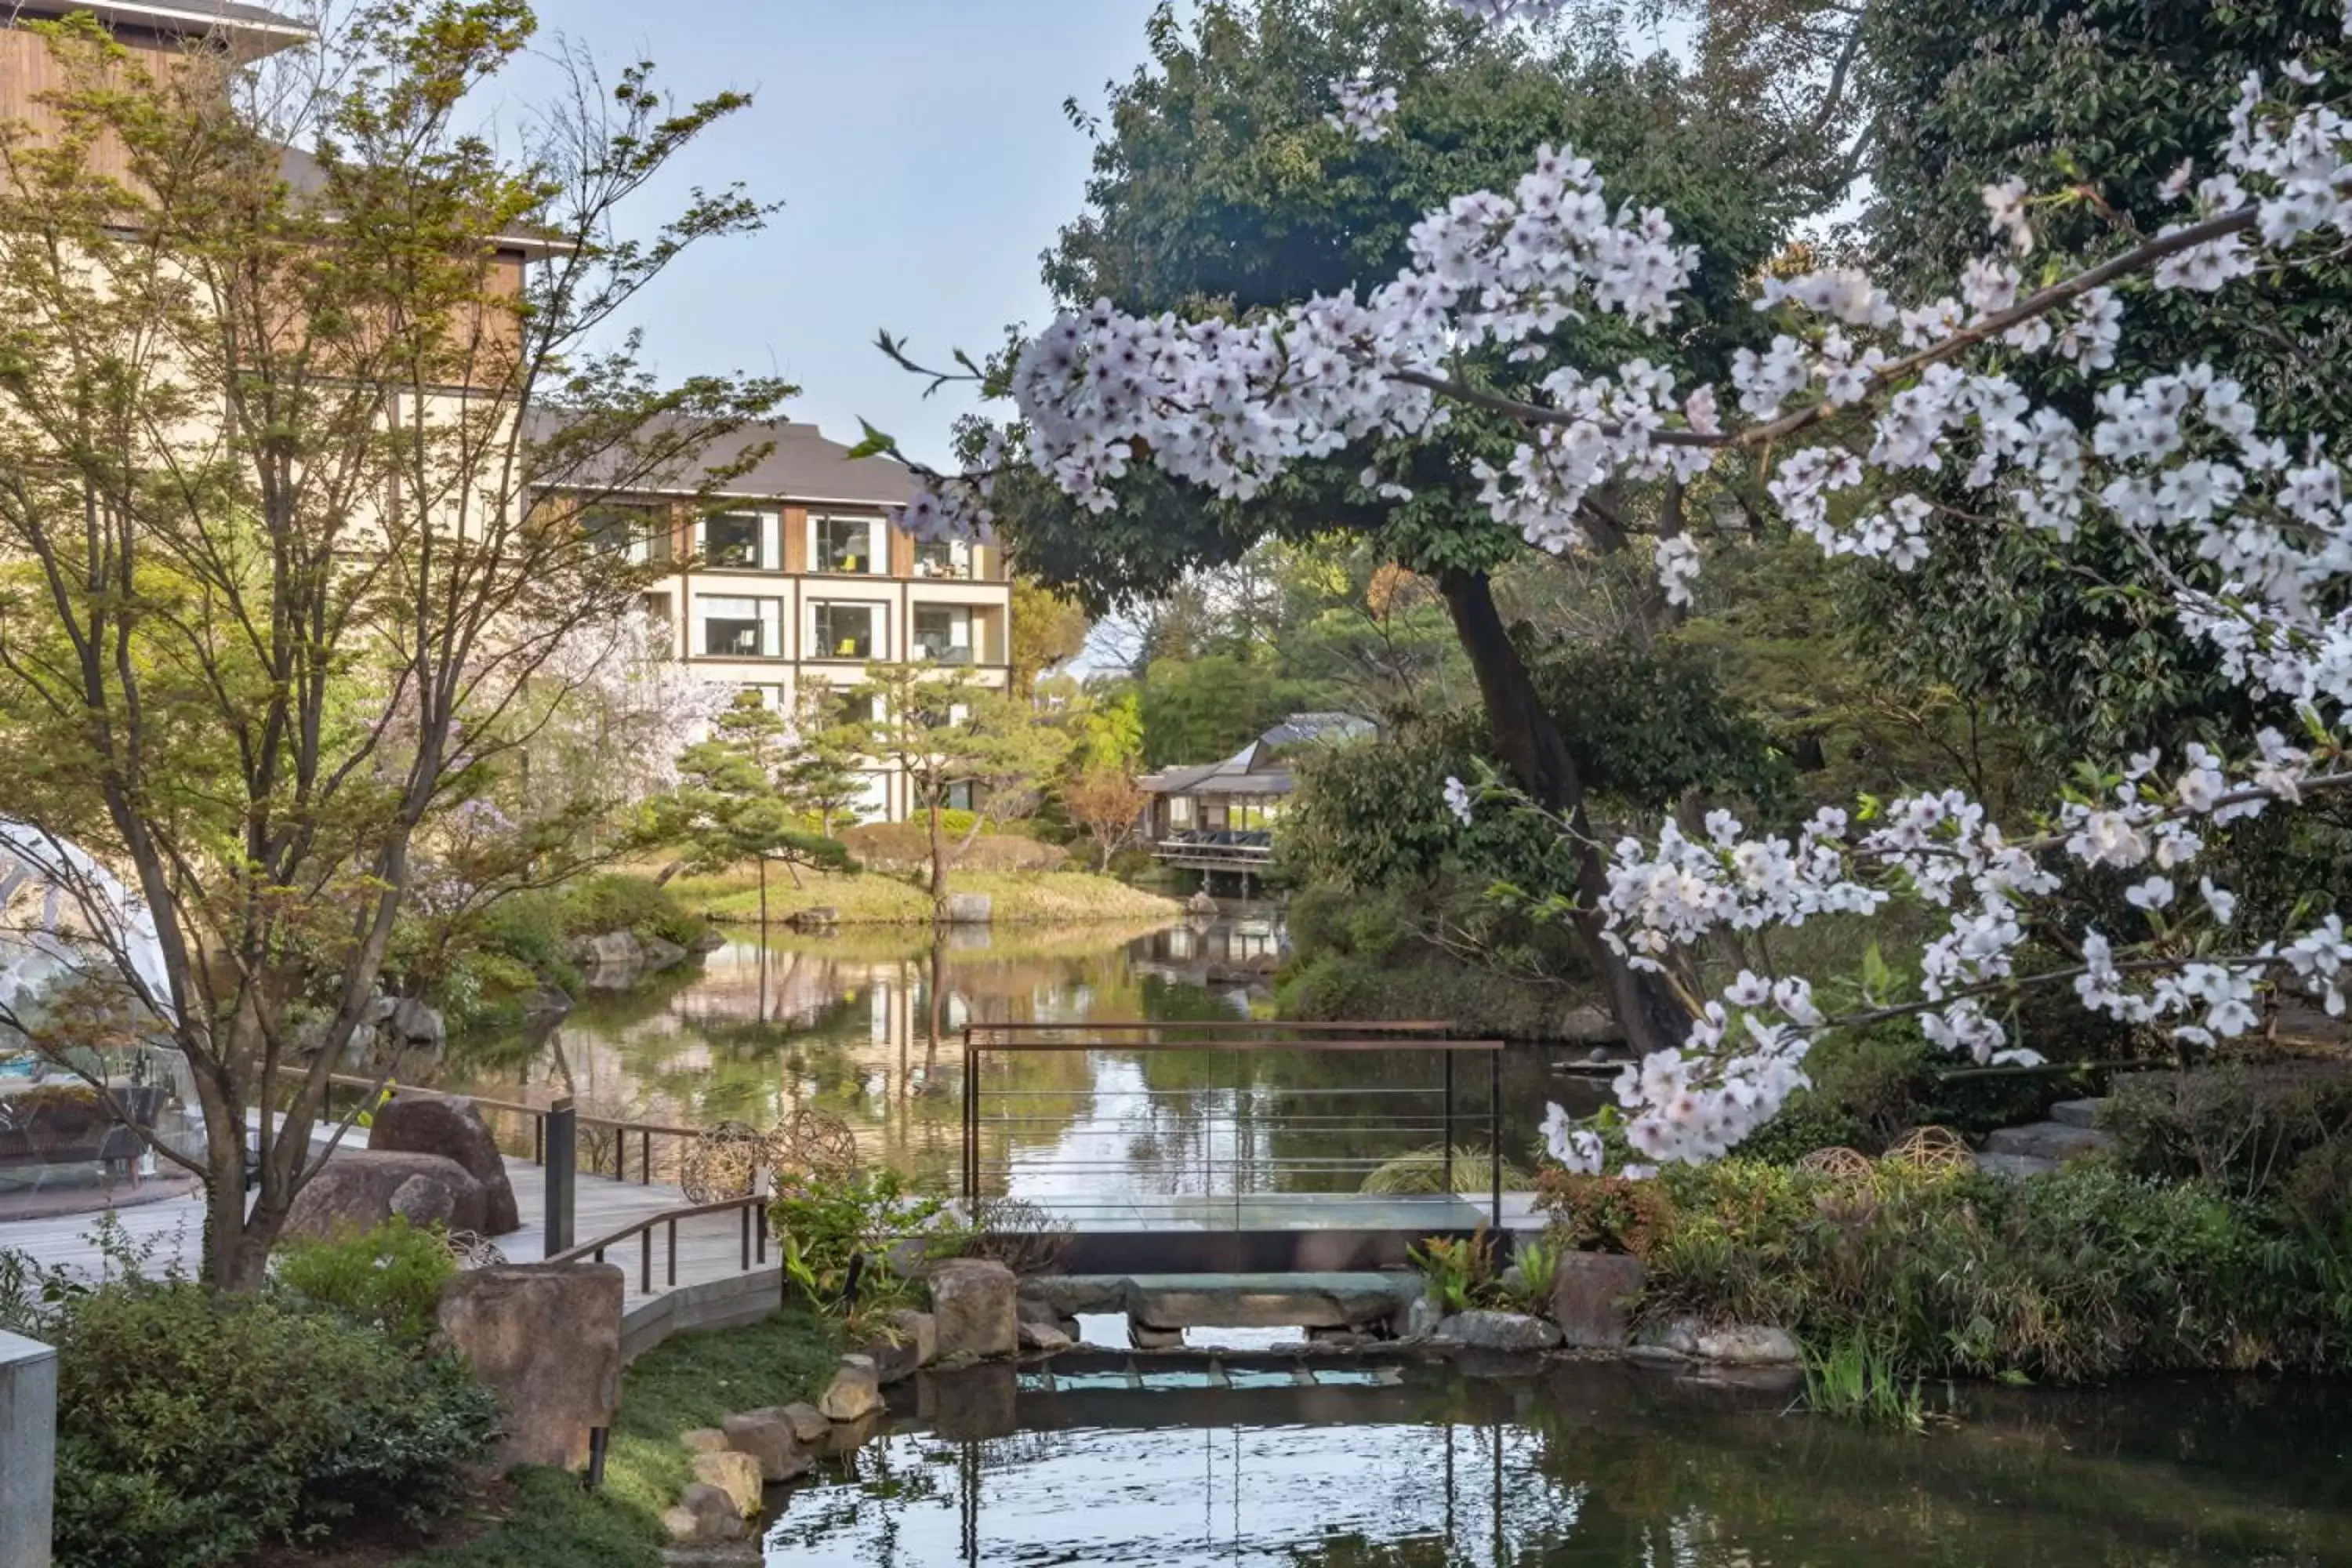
(924, 163)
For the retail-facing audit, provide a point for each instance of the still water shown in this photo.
(1592, 1464)
(866, 1026)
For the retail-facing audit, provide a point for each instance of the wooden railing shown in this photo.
(752, 1206)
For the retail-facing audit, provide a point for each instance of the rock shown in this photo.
(1201, 903)
(1045, 1337)
(704, 1513)
(2078, 1113)
(816, 916)
(1673, 1340)
(705, 1440)
(768, 1436)
(2013, 1165)
(710, 938)
(614, 950)
(1587, 1297)
(1749, 1344)
(737, 1475)
(2049, 1141)
(1248, 1301)
(1590, 1026)
(1143, 1337)
(546, 1339)
(360, 1191)
(855, 1390)
(1511, 1331)
(1061, 1296)
(430, 1124)
(894, 1361)
(919, 1330)
(1340, 1339)
(981, 1402)
(546, 1002)
(969, 910)
(973, 1307)
(1422, 1318)
(809, 1424)
(413, 1026)
(659, 954)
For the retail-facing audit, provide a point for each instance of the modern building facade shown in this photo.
(795, 577)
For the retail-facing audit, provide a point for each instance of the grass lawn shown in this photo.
(875, 898)
(546, 1521)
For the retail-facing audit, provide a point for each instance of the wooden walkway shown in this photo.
(707, 1248)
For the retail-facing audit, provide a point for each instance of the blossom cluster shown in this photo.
(1365, 109)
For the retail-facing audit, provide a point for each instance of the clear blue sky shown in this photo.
(924, 162)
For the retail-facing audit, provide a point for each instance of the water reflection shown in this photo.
(1595, 1465)
(866, 1026)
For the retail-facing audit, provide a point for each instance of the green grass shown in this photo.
(876, 899)
(694, 1380)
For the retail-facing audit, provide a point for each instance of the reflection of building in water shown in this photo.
(1239, 952)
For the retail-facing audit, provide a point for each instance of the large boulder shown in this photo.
(768, 1436)
(704, 1513)
(970, 909)
(360, 1191)
(1730, 1344)
(919, 1329)
(429, 1124)
(546, 1339)
(972, 1309)
(659, 954)
(1511, 1331)
(1588, 1299)
(854, 1391)
(737, 1475)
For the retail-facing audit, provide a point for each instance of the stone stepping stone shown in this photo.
(2077, 1112)
(2014, 1165)
(2048, 1140)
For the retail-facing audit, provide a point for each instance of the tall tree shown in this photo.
(1222, 188)
(733, 802)
(955, 739)
(281, 604)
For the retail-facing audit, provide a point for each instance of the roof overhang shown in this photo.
(247, 24)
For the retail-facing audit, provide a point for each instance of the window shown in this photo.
(961, 797)
(942, 558)
(846, 631)
(635, 531)
(843, 544)
(739, 628)
(734, 538)
(943, 633)
(1180, 811)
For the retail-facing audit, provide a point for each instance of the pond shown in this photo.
(1590, 1464)
(866, 1025)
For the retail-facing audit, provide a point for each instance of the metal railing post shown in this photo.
(562, 1140)
(971, 1123)
(1495, 1132)
(1449, 1123)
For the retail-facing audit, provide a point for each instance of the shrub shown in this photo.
(1458, 1273)
(2240, 1127)
(824, 1224)
(388, 1278)
(615, 900)
(1604, 1214)
(2083, 1274)
(195, 1427)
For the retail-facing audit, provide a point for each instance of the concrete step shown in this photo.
(2015, 1165)
(2077, 1112)
(2048, 1140)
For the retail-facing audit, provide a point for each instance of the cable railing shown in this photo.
(751, 1206)
(1248, 1152)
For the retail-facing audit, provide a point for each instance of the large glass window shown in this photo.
(844, 544)
(846, 631)
(1180, 811)
(739, 628)
(942, 558)
(635, 531)
(733, 539)
(943, 633)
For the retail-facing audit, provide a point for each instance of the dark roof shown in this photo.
(1260, 767)
(803, 466)
(233, 17)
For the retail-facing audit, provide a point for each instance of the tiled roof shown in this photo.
(802, 466)
(174, 15)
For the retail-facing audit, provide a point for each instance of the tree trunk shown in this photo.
(938, 866)
(1532, 747)
(763, 900)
